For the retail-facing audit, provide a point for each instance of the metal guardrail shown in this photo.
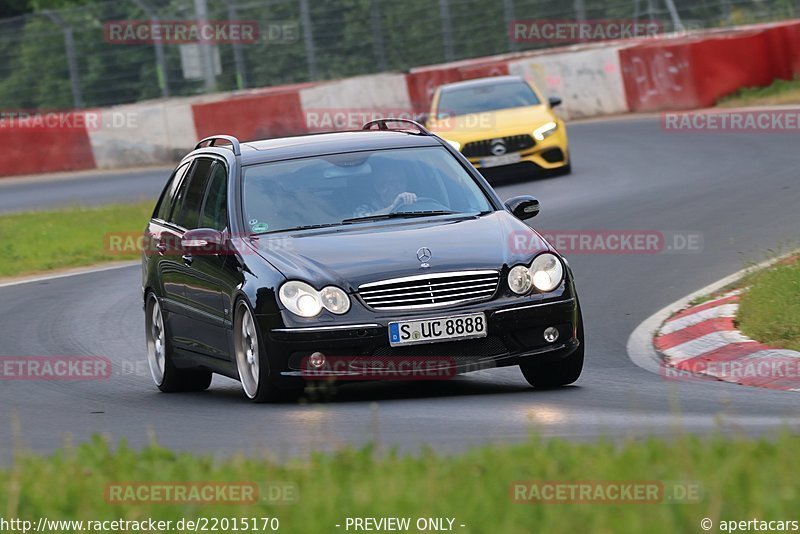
(58, 59)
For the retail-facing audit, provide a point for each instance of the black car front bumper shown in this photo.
(514, 332)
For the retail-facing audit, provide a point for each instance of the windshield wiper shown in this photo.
(305, 227)
(397, 215)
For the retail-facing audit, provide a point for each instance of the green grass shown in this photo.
(781, 92)
(770, 310)
(741, 478)
(46, 240)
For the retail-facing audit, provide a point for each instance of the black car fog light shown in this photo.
(317, 360)
(550, 334)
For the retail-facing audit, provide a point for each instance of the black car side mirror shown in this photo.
(423, 118)
(554, 101)
(523, 207)
(204, 241)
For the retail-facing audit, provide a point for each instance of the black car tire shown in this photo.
(556, 374)
(168, 378)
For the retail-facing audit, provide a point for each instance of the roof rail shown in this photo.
(237, 149)
(381, 123)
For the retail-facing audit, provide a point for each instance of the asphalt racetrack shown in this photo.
(739, 192)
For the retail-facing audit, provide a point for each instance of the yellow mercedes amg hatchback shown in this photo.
(501, 123)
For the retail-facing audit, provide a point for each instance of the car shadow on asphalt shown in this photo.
(374, 391)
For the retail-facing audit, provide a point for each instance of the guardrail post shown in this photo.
(677, 25)
(308, 37)
(161, 62)
(726, 10)
(510, 16)
(72, 62)
(377, 36)
(447, 30)
(238, 57)
(205, 50)
(580, 10)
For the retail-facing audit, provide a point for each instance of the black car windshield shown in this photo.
(358, 187)
(479, 99)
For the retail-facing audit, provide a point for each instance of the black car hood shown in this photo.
(349, 256)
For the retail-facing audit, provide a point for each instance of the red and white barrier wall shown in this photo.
(695, 72)
(53, 143)
(589, 82)
(258, 114)
(348, 104)
(144, 133)
(600, 79)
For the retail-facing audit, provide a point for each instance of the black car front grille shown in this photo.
(483, 148)
(430, 291)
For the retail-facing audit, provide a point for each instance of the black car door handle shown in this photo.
(188, 259)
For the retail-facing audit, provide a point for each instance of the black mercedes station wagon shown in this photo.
(372, 254)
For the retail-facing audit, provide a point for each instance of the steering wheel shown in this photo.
(428, 204)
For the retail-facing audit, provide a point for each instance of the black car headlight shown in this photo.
(545, 274)
(334, 300)
(303, 300)
(519, 280)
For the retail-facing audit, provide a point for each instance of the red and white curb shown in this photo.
(703, 340)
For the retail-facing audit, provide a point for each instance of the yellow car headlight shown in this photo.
(546, 130)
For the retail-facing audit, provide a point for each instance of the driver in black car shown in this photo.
(390, 194)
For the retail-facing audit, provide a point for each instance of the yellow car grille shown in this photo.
(492, 147)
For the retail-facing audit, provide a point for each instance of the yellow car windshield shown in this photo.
(482, 98)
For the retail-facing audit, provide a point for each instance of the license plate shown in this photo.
(437, 329)
(505, 159)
